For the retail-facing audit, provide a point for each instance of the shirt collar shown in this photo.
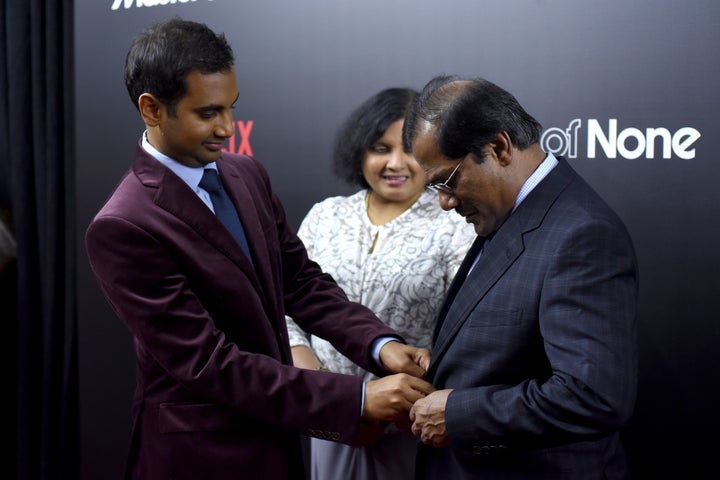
(190, 175)
(533, 180)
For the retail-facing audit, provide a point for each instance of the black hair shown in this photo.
(365, 126)
(161, 57)
(468, 114)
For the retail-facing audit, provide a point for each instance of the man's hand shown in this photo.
(390, 398)
(428, 417)
(396, 357)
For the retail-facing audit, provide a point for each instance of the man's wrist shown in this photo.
(378, 345)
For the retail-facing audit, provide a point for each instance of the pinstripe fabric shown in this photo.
(539, 344)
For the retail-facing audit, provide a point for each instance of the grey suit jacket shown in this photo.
(539, 344)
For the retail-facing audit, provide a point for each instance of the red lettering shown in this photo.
(243, 129)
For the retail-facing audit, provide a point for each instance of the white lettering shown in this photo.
(146, 3)
(630, 143)
(652, 134)
(680, 146)
(574, 126)
(554, 140)
(595, 132)
(622, 148)
(128, 4)
(561, 142)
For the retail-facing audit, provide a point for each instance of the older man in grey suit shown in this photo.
(535, 355)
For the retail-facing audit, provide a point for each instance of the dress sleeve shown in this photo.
(309, 227)
(307, 231)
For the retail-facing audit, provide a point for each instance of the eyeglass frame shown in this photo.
(445, 186)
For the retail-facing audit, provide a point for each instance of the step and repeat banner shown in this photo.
(627, 91)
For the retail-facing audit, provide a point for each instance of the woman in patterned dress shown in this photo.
(390, 247)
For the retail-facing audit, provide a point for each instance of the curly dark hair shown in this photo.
(365, 126)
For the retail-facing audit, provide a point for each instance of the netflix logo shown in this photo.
(240, 141)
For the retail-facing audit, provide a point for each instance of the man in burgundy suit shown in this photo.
(217, 395)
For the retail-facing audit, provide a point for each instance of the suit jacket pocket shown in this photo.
(492, 330)
(203, 417)
(483, 317)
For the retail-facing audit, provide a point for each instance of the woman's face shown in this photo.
(392, 174)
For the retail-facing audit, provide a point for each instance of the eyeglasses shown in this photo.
(445, 186)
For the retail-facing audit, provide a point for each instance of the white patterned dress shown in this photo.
(404, 281)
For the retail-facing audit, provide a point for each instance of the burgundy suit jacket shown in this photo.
(216, 394)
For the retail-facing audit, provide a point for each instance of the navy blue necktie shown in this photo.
(224, 209)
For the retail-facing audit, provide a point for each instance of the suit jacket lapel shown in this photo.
(174, 196)
(243, 201)
(457, 282)
(506, 246)
(248, 213)
(497, 257)
(269, 287)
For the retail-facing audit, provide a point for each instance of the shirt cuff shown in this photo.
(376, 347)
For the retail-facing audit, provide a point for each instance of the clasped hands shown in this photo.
(404, 398)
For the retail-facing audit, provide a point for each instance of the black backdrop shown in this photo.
(627, 80)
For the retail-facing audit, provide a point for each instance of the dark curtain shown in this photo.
(37, 198)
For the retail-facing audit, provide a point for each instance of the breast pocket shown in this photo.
(489, 330)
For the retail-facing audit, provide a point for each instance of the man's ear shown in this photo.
(502, 148)
(151, 110)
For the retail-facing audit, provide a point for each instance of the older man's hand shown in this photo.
(428, 417)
